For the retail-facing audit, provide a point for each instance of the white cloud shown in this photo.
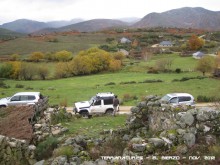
(46, 10)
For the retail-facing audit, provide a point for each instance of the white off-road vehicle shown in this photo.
(101, 103)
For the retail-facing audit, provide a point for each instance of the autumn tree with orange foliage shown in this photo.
(195, 43)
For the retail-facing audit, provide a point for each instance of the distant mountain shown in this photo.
(6, 34)
(186, 17)
(58, 24)
(24, 26)
(94, 25)
(130, 20)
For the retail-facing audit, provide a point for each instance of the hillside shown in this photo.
(198, 18)
(24, 26)
(94, 25)
(6, 34)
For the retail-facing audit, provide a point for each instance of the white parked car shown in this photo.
(101, 103)
(21, 98)
(177, 99)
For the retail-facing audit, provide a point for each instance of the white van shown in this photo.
(176, 99)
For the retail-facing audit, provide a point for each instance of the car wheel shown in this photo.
(109, 112)
(85, 115)
(2, 106)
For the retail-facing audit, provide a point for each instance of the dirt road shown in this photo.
(126, 109)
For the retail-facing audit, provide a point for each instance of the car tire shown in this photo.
(85, 115)
(2, 106)
(109, 112)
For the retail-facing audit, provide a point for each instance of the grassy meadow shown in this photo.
(74, 43)
(69, 90)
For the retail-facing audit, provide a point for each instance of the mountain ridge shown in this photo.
(186, 17)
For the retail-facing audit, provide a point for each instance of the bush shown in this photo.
(151, 81)
(178, 70)
(60, 116)
(128, 97)
(201, 98)
(3, 85)
(64, 150)
(110, 83)
(113, 146)
(128, 82)
(152, 70)
(19, 86)
(45, 149)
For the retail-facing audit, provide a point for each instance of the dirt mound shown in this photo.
(14, 122)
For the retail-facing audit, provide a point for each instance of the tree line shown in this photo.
(86, 62)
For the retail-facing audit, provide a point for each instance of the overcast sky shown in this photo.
(50, 10)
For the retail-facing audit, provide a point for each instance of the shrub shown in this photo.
(60, 116)
(178, 70)
(201, 98)
(63, 102)
(110, 83)
(3, 85)
(113, 146)
(64, 150)
(128, 82)
(128, 97)
(19, 86)
(152, 70)
(45, 149)
(151, 81)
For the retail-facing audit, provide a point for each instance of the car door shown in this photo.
(185, 100)
(174, 101)
(14, 100)
(97, 107)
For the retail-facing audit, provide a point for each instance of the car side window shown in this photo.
(15, 98)
(108, 101)
(182, 99)
(24, 98)
(174, 100)
(97, 102)
(31, 97)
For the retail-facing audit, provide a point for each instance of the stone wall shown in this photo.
(14, 151)
(172, 126)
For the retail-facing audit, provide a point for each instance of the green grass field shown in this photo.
(82, 88)
(95, 125)
(74, 43)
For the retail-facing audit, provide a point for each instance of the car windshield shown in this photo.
(92, 100)
(165, 98)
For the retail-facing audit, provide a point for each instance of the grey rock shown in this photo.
(40, 162)
(138, 147)
(187, 118)
(126, 137)
(189, 139)
(136, 140)
(210, 139)
(157, 142)
(61, 160)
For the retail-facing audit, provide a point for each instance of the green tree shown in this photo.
(14, 57)
(43, 72)
(27, 71)
(206, 64)
(6, 70)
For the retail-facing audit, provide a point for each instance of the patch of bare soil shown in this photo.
(14, 122)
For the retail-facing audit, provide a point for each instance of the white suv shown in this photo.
(21, 98)
(177, 99)
(101, 103)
